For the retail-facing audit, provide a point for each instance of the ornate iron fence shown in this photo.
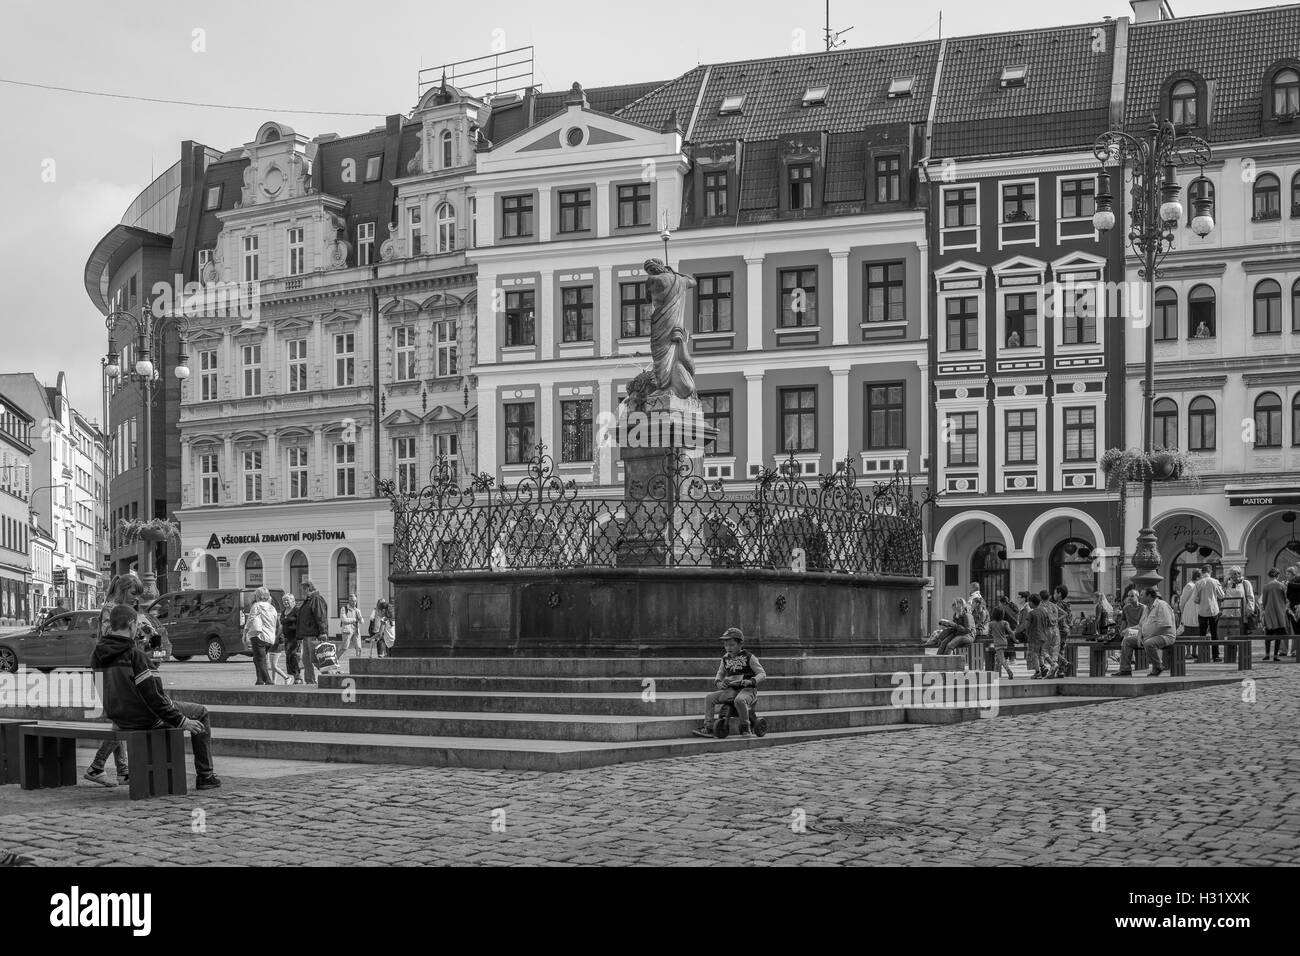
(675, 519)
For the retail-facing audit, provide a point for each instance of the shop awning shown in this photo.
(1254, 495)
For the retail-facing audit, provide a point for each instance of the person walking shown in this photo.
(1036, 626)
(292, 644)
(260, 626)
(1273, 614)
(313, 625)
(998, 632)
(350, 629)
(381, 628)
(1189, 621)
(1207, 596)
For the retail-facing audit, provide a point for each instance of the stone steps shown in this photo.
(653, 667)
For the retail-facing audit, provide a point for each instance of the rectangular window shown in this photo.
(252, 370)
(444, 335)
(1166, 317)
(415, 227)
(577, 305)
(252, 476)
(798, 297)
(207, 375)
(213, 199)
(1078, 198)
(209, 481)
(888, 178)
(885, 415)
(519, 432)
(798, 419)
(516, 216)
(1078, 315)
(575, 210)
(404, 456)
(1019, 203)
(345, 469)
(1022, 437)
(250, 259)
(297, 473)
(520, 318)
(365, 243)
(297, 365)
(884, 292)
(715, 193)
(801, 186)
(297, 258)
(576, 430)
(716, 409)
(634, 205)
(445, 446)
(374, 167)
(959, 207)
(1021, 310)
(713, 303)
(962, 315)
(344, 359)
(404, 353)
(634, 309)
(1080, 434)
(963, 439)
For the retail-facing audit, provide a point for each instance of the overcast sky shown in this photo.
(327, 55)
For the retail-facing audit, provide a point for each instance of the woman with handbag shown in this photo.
(260, 626)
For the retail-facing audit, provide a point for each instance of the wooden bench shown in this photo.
(1236, 650)
(48, 757)
(10, 748)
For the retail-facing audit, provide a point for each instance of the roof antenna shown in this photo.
(833, 36)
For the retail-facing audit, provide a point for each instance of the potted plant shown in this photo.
(153, 530)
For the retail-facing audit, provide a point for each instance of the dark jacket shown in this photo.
(134, 698)
(313, 617)
(288, 624)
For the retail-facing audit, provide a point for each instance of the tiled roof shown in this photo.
(758, 181)
(856, 81)
(1231, 51)
(1064, 103)
(507, 119)
(846, 162)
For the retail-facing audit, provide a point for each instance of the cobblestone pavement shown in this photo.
(1198, 777)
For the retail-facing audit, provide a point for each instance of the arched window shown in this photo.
(1164, 433)
(1166, 317)
(1182, 103)
(253, 577)
(345, 577)
(446, 220)
(1200, 313)
(1201, 424)
(272, 135)
(1268, 421)
(1204, 558)
(1268, 307)
(990, 570)
(1295, 420)
(446, 149)
(1295, 196)
(1070, 565)
(1267, 198)
(1286, 93)
(298, 572)
(1199, 188)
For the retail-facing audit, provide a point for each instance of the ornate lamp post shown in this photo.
(1154, 214)
(149, 331)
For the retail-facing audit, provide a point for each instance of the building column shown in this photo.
(605, 319)
(601, 212)
(544, 213)
(545, 425)
(229, 476)
(271, 468)
(754, 419)
(754, 302)
(607, 406)
(544, 312)
(187, 492)
(488, 415)
(840, 297)
(839, 414)
(489, 302)
(228, 383)
(323, 471)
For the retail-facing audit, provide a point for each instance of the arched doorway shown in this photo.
(253, 576)
(1070, 565)
(990, 571)
(1193, 557)
(298, 571)
(345, 576)
(211, 571)
(1288, 557)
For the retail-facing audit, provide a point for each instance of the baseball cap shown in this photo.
(733, 633)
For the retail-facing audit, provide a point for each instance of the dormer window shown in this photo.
(1013, 76)
(901, 86)
(815, 96)
(1286, 94)
(374, 166)
(446, 149)
(1182, 103)
(731, 105)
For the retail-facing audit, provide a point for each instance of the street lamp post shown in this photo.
(149, 331)
(1154, 214)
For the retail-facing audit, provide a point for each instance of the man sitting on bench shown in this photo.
(1156, 632)
(134, 698)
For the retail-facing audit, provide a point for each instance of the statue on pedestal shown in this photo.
(673, 368)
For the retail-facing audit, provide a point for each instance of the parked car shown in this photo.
(65, 639)
(209, 622)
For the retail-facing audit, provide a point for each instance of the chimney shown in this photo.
(1150, 11)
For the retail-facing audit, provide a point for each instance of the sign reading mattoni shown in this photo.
(272, 537)
(1237, 498)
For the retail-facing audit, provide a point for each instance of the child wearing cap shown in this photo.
(737, 680)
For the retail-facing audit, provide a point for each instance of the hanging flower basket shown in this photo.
(153, 531)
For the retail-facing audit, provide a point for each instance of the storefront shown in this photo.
(14, 604)
(344, 550)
